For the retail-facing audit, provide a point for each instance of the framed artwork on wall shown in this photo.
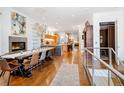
(18, 24)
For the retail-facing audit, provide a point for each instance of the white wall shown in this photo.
(5, 30)
(29, 30)
(0, 38)
(0, 34)
(33, 38)
(118, 17)
(81, 41)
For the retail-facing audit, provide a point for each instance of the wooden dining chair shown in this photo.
(6, 67)
(32, 63)
(49, 55)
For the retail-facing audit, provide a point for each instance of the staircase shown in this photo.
(103, 72)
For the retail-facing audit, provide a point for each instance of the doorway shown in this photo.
(107, 38)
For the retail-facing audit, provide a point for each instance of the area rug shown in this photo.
(101, 77)
(68, 75)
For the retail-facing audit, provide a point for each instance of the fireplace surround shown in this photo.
(17, 44)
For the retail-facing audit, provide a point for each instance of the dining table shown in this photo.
(20, 56)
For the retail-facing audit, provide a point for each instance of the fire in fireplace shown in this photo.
(16, 46)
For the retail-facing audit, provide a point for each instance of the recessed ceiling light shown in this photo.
(73, 15)
(56, 23)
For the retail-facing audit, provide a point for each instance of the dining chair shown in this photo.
(5, 67)
(31, 63)
(49, 55)
(42, 57)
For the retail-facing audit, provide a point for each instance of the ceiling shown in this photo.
(62, 18)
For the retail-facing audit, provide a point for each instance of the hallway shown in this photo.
(43, 75)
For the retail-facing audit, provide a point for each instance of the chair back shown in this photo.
(4, 66)
(35, 58)
(43, 55)
(49, 53)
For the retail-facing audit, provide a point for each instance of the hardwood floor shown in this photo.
(43, 75)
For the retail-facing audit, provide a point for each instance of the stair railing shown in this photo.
(92, 68)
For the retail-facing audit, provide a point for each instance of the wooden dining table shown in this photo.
(22, 55)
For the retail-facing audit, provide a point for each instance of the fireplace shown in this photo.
(17, 44)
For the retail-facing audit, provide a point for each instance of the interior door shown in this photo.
(111, 38)
(104, 38)
(107, 39)
(104, 42)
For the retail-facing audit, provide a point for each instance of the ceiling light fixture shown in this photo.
(73, 15)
